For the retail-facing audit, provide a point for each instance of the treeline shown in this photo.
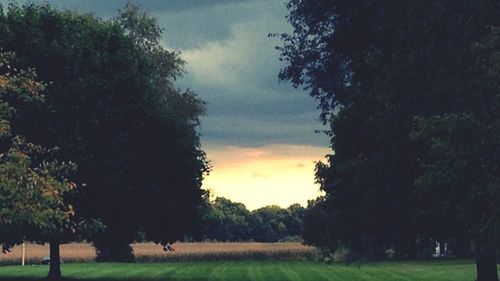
(224, 220)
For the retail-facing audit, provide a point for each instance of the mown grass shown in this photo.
(252, 271)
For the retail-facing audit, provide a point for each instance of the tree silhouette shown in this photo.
(112, 108)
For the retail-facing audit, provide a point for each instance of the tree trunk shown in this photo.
(486, 264)
(55, 261)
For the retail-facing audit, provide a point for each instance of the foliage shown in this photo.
(224, 220)
(380, 70)
(317, 225)
(267, 224)
(461, 164)
(32, 186)
(461, 178)
(460, 182)
(111, 107)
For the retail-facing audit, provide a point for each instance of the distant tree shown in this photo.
(225, 221)
(111, 107)
(267, 224)
(32, 186)
(293, 220)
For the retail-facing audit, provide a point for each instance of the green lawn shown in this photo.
(241, 271)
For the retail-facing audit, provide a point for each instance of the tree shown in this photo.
(373, 66)
(294, 220)
(32, 186)
(225, 220)
(112, 108)
(461, 174)
(461, 179)
(317, 226)
(273, 223)
(267, 224)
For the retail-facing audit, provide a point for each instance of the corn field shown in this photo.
(150, 252)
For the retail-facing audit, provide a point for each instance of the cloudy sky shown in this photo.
(258, 133)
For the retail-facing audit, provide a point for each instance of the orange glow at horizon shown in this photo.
(271, 175)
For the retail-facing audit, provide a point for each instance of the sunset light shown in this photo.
(270, 175)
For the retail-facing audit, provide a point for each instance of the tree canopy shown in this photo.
(225, 220)
(381, 70)
(111, 107)
(33, 186)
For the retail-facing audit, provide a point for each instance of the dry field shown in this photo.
(150, 252)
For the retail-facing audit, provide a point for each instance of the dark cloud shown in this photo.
(108, 7)
(251, 132)
(183, 5)
(186, 23)
(232, 64)
(259, 103)
(190, 28)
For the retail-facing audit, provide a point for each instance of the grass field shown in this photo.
(225, 262)
(252, 271)
(150, 252)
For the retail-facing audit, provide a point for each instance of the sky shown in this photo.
(259, 133)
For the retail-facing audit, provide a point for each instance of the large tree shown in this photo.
(461, 179)
(373, 66)
(112, 108)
